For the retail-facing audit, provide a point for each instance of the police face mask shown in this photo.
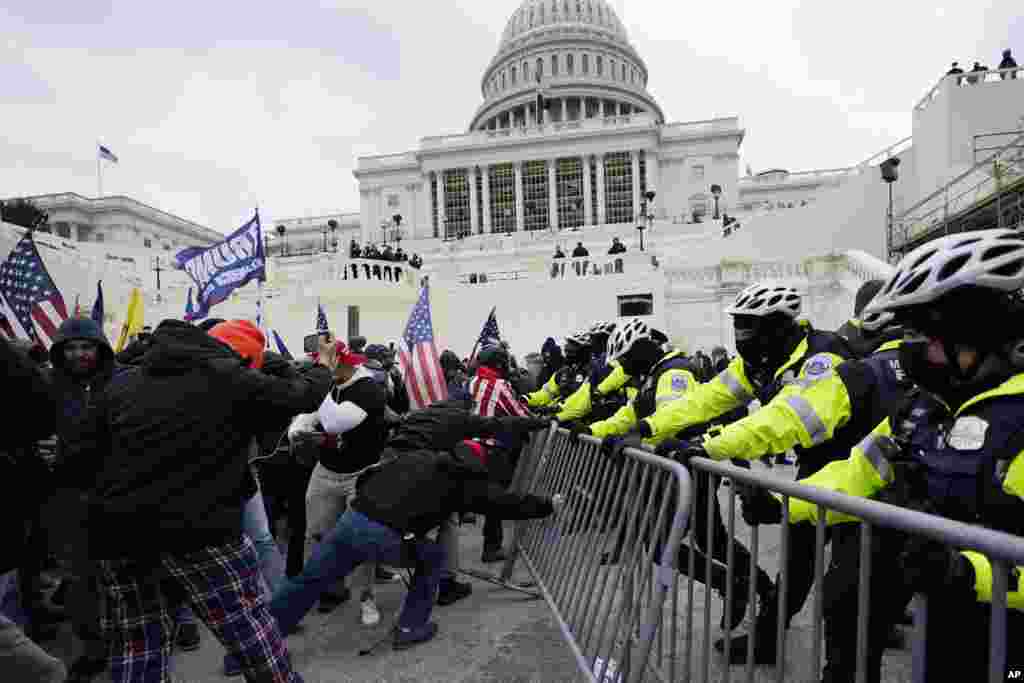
(762, 342)
(641, 358)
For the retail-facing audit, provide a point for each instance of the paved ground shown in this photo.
(495, 636)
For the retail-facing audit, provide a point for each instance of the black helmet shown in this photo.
(377, 352)
(495, 357)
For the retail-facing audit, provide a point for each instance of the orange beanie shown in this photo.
(244, 338)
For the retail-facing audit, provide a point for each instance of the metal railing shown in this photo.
(606, 564)
(1003, 550)
(985, 179)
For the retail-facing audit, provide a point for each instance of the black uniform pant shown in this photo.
(958, 625)
(718, 547)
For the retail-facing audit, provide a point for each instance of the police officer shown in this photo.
(567, 379)
(952, 447)
(777, 355)
(663, 379)
(607, 388)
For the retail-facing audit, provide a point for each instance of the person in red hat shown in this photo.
(169, 442)
(355, 413)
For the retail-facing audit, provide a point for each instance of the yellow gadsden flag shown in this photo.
(132, 322)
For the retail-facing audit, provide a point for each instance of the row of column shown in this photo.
(552, 171)
(617, 109)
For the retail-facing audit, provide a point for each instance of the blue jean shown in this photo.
(10, 599)
(354, 540)
(256, 526)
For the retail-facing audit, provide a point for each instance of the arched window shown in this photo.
(586, 64)
(611, 68)
(513, 72)
(502, 80)
(623, 72)
(600, 65)
(570, 64)
(540, 68)
(554, 65)
(526, 72)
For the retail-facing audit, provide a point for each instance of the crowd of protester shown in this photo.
(176, 458)
(385, 253)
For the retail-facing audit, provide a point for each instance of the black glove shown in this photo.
(758, 506)
(576, 428)
(682, 451)
(276, 366)
(613, 446)
(928, 566)
(539, 423)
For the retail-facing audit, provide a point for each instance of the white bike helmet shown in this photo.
(602, 327)
(767, 298)
(990, 259)
(579, 338)
(876, 321)
(625, 338)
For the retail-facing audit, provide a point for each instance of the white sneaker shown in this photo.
(370, 613)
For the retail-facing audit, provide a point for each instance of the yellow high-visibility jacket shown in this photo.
(546, 395)
(579, 404)
(791, 404)
(670, 382)
(979, 428)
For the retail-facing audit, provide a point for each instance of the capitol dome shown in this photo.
(577, 52)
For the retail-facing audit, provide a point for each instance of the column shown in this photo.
(583, 108)
(601, 213)
(486, 171)
(588, 204)
(440, 205)
(518, 166)
(552, 165)
(474, 215)
(634, 157)
(565, 110)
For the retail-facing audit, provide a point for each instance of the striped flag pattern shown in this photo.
(494, 397)
(418, 355)
(29, 292)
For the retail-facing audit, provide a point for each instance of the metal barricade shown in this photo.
(606, 563)
(1004, 552)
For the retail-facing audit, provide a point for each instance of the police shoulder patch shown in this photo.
(818, 366)
(968, 433)
(679, 383)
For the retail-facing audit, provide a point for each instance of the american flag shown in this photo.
(494, 397)
(421, 365)
(29, 291)
(489, 335)
(321, 319)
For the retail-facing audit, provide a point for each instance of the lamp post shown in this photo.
(645, 215)
(158, 270)
(282, 232)
(384, 230)
(332, 225)
(397, 232)
(889, 176)
(716, 192)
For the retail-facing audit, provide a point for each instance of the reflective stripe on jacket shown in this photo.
(971, 459)
(670, 382)
(580, 403)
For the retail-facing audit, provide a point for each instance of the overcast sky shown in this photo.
(216, 106)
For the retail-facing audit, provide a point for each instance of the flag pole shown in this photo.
(473, 354)
(259, 283)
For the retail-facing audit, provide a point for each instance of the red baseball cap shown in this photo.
(346, 356)
(244, 338)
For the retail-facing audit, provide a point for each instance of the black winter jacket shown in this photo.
(29, 417)
(426, 474)
(171, 439)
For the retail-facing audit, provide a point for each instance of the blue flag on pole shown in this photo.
(281, 348)
(321, 319)
(97, 307)
(221, 269)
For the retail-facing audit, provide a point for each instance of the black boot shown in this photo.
(451, 591)
(740, 600)
(765, 630)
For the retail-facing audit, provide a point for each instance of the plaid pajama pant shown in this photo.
(222, 586)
